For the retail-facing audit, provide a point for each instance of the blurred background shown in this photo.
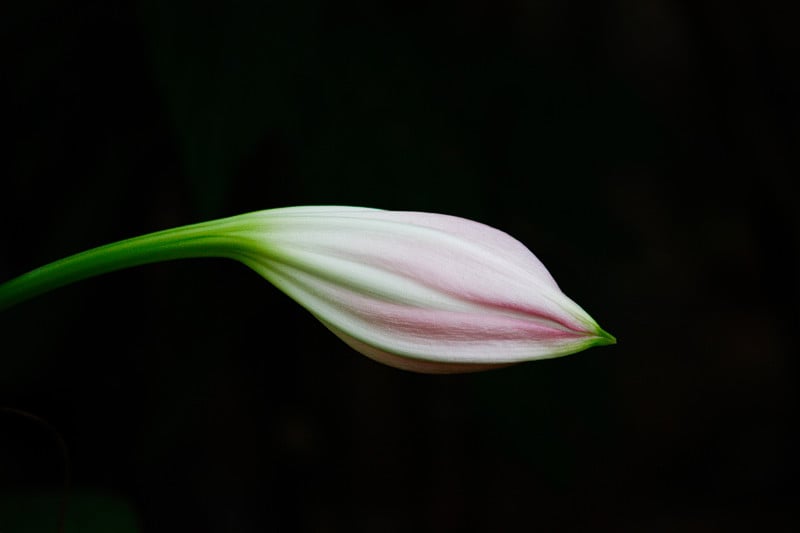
(645, 151)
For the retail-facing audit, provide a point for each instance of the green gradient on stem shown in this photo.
(205, 239)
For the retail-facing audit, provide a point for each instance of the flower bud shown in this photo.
(417, 291)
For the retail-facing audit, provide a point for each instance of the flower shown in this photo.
(418, 291)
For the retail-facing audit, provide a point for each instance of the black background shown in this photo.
(645, 151)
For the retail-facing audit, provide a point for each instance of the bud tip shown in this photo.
(604, 337)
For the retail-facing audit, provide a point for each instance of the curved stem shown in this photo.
(205, 239)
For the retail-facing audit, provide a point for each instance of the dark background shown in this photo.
(645, 151)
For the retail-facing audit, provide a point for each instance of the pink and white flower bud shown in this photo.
(417, 291)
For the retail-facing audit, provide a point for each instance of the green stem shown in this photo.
(206, 239)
